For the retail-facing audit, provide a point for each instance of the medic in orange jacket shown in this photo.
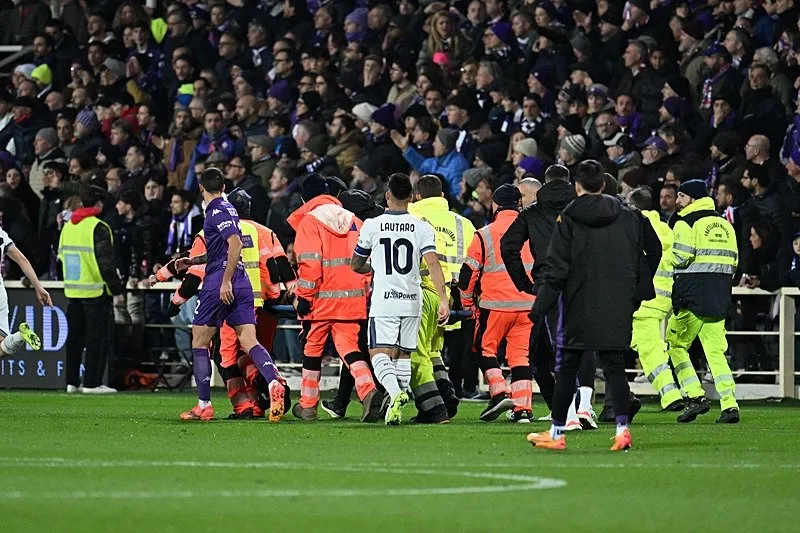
(331, 298)
(503, 310)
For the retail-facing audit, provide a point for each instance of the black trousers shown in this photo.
(90, 322)
(613, 364)
(462, 360)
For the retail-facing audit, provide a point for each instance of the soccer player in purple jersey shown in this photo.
(226, 296)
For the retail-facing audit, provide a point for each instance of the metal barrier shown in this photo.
(785, 375)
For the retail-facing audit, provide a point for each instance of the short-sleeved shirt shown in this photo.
(221, 222)
(396, 241)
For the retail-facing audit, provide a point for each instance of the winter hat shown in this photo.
(359, 17)
(504, 32)
(677, 107)
(726, 142)
(694, 188)
(200, 12)
(58, 166)
(543, 73)
(335, 185)
(694, 29)
(318, 145)
(622, 140)
(116, 66)
(88, 119)
(143, 60)
(281, 92)
(441, 59)
(264, 141)
(656, 142)
(312, 100)
(572, 123)
(598, 89)
(448, 138)
(43, 75)
(575, 145)
(680, 85)
(644, 5)
(364, 111)
(493, 154)
(26, 69)
(49, 135)
(636, 177)
(727, 94)
(613, 16)
(313, 185)
(464, 101)
(507, 195)
(532, 164)
(582, 44)
(527, 147)
(384, 116)
(366, 166)
(473, 176)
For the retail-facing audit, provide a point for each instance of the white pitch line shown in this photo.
(520, 482)
(61, 462)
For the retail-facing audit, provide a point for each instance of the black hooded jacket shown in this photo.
(535, 225)
(595, 263)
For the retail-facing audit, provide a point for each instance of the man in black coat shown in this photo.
(596, 267)
(535, 225)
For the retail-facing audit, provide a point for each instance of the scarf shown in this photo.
(705, 102)
(176, 154)
(176, 242)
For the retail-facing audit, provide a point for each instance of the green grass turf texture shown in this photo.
(78, 463)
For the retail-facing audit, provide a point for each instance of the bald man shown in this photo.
(757, 149)
(529, 187)
(247, 111)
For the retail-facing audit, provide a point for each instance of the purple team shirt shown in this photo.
(221, 222)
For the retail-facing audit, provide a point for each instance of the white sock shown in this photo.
(572, 414)
(403, 368)
(12, 344)
(203, 403)
(621, 428)
(586, 398)
(556, 432)
(387, 374)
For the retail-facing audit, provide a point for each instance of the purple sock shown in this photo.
(622, 420)
(202, 373)
(263, 362)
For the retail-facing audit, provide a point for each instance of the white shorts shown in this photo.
(4, 327)
(394, 332)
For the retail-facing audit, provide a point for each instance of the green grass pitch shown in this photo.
(126, 463)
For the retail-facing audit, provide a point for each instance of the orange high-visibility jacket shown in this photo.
(327, 234)
(496, 290)
(193, 277)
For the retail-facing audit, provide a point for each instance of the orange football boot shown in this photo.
(199, 413)
(622, 442)
(276, 399)
(544, 440)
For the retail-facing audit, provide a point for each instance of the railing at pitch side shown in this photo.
(786, 334)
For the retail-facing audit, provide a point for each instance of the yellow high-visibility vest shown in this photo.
(82, 278)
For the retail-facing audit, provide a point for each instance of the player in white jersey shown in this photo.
(12, 343)
(397, 242)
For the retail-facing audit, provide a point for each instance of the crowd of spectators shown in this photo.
(136, 99)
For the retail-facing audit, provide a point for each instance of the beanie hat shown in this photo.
(312, 100)
(441, 59)
(26, 69)
(726, 142)
(42, 74)
(116, 66)
(598, 89)
(527, 147)
(533, 165)
(473, 176)
(335, 185)
(313, 185)
(448, 138)
(694, 188)
(575, 145)
(677, 107)
(493, 154)
(318, 145)
(582, 44)
(656, 142)
(694, 29)
(622, 140)
(384, 116)
(359, 17)
(364, 111)
(143, 60)
(364, 163)
(507, 195)
(49, 135)
(58, 166)
(281, 92)
(727, 94)
(680, 85)
(88, 119)
(572, 123)
(504, 32)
